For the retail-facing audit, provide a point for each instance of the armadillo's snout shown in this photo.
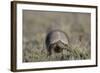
(58, 49)
(56, 41)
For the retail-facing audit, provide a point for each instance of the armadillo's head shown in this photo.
(58, 47)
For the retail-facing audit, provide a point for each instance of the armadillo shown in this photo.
(56, 40)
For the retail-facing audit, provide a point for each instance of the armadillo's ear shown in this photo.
(52, 46)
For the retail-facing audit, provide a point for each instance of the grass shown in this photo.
(38, 55)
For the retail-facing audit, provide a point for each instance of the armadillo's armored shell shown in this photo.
(56, 36)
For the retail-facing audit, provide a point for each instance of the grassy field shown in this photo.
(36, 25)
